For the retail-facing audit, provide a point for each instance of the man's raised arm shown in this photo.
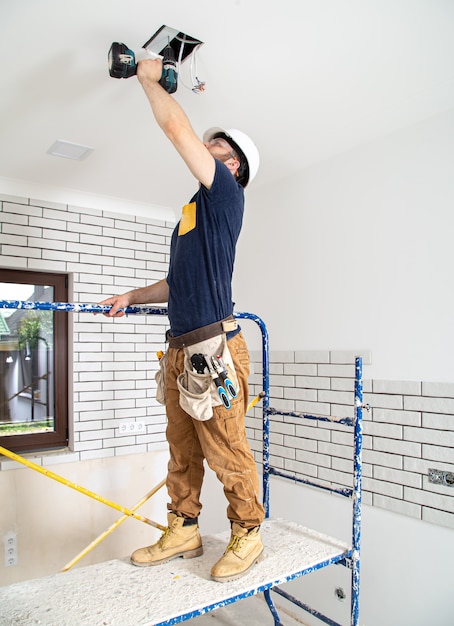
(175, 123)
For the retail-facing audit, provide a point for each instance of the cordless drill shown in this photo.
(123, 64)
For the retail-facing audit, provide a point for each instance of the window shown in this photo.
(33, 363)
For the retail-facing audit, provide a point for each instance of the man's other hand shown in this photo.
(117, 303)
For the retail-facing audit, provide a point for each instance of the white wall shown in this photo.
(356, 253)
(27, 189)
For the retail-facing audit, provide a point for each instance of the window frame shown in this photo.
(59, 436)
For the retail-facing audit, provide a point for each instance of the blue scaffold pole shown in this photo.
(266, 436)
(357, 490)
(265, 406)
(78, 308)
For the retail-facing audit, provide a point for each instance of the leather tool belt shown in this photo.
(203, 333)
(201, 387)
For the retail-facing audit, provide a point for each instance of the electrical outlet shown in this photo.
(436, 476)
(10, 543)
(449, 479)
(131, 427)
(440, 477)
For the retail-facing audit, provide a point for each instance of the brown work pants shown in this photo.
(220, 440)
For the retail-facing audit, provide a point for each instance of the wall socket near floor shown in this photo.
(10, 543)
(132, 427)
(440, 477)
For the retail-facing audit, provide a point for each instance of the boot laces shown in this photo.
(167, 532)
(235, 543)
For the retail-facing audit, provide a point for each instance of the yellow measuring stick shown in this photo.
(87, 492)
(111, 528)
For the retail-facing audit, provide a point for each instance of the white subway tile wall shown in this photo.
(409, 429)
(114, 361)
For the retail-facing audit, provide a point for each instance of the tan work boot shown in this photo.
(177, 540)
(244, 550)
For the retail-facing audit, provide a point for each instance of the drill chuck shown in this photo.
(169, 78)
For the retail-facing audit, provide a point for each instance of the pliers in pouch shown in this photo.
(218, 382)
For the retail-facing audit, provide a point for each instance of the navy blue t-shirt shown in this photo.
(202, 254)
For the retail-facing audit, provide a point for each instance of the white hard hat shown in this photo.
(246, 148)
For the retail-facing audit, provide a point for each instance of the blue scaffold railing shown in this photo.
(68, 307)
(352, 557)
(354, 493)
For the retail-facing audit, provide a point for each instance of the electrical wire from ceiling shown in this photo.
(198, 86)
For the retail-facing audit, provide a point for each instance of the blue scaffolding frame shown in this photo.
(351, 557)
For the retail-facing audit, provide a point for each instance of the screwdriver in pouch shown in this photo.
(221, 369)
(217, 381)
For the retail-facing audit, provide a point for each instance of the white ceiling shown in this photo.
(307, 79)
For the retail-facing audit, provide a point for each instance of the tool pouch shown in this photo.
(160, 380)
(198, 393)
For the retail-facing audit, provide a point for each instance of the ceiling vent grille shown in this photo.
(70, 150)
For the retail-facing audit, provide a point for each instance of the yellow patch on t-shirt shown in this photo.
(188, 218)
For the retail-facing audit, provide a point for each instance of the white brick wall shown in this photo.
(114, 362)
(409, 429)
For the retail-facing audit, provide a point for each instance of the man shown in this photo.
(199, 296)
